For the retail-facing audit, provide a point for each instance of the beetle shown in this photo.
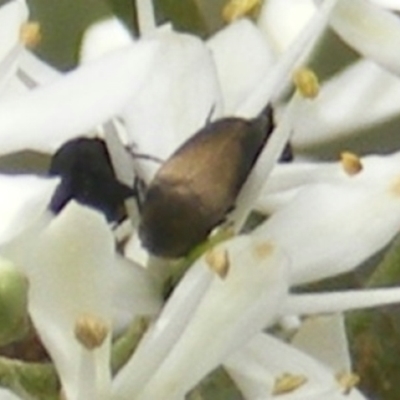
(197, 186)
(87, 176)
(191, 193)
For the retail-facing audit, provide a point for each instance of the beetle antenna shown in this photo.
(210, 114)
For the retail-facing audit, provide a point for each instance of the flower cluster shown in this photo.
(235, 306)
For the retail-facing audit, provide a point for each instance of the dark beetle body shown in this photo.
(87, 176)
(197, 186)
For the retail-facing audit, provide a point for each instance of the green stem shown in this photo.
(178, 270)
(388, 271)
(125, 346)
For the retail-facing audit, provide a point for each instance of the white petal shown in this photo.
(25, 72)
(371, 30)
(146, 17)
(278, 76)
(24, 199)
(293, 175)
(345, 223)
(256, 367)
(341, 105)
(159, 340)
(69, 268)
(46, 117)
(324, 338)
(37, 70)
(135, 251)
(134, 293)
(268, 157)
(122, 163)
(176, 101)
(12, 15)
(93, 377)
(8, 67)
(340, 301)
(8, 395)
(390, 4)
(103, 37)
(287, 179)
(231, 311)
(233, 47)
(283, 20)
(12, 86)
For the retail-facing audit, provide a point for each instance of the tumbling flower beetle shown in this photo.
(87, 176)
(197, 186)
(190, 194)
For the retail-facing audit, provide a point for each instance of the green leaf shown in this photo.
(184, 15)
(63, 23)
(13, 303)
(126, 12)
(374, 335)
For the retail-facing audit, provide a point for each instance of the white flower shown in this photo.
(258, 367)
(237, 78)
(348, 217)
(20, 69)
(73, 272)
(24, 199)
(157, 90)
(12, 17)
(339, 110)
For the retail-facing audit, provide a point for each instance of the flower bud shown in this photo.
(13, 303)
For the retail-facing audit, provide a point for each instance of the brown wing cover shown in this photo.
(198, 184)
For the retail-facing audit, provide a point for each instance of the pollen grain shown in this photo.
(287, 383)
(218, 261)
(30, 34)
(91, 331)
(306, 82)
(351, 163)
(263, 250)
(347, 380)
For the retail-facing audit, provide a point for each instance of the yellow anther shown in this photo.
(30, 34)
(306, 82)
(236, 9)
(287, 383)
(263, 250)
(351, 163)
(394, 187)
(91, 331)
(218, 261)
(347, 380)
